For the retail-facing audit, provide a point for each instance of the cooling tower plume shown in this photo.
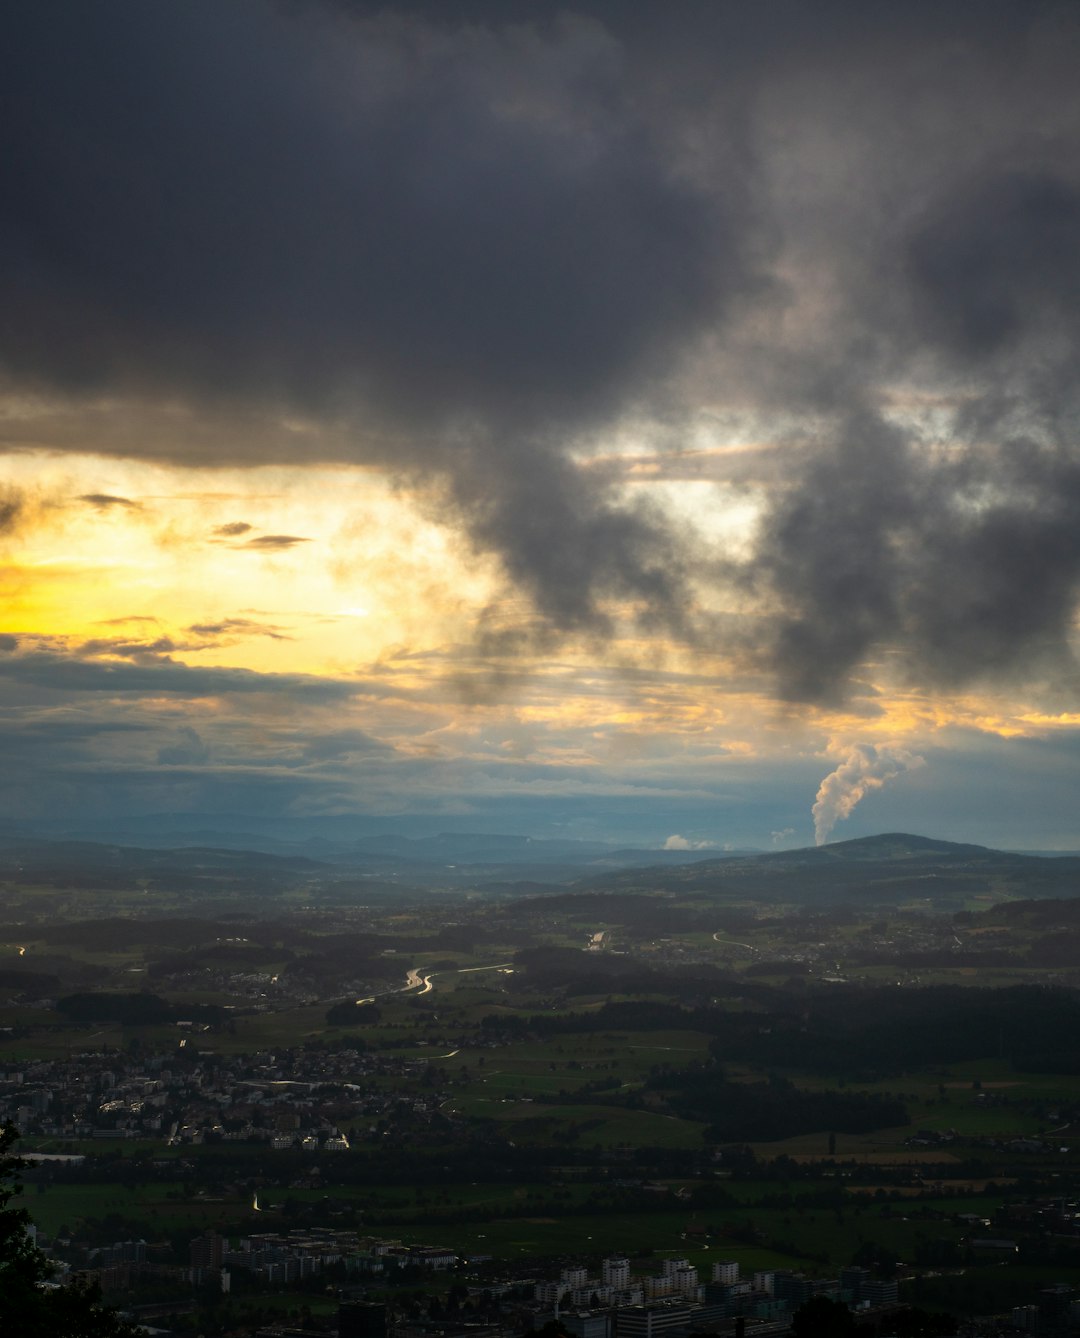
(865, 767)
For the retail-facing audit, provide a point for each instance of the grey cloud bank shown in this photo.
(55, 670)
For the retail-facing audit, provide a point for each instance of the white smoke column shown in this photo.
(865, 768)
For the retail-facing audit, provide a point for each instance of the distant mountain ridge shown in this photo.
(337, 841)
(340, 832)
(374, 868)
(890, 868)
(885, 845)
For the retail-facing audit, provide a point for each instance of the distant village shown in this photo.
(285, 1099)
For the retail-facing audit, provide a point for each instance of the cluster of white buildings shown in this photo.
(677, 1301)
(616, 1286)
(574, 1287)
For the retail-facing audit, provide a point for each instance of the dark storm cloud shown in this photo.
(473, 233)
(886, 553)
(625, 553)
(478, 234)
(830, 555)
(447, 221)
(998, 261)
(965, 558)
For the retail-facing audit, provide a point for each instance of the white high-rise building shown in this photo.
(615, 1271)
(725, 1270)
(685, 1281)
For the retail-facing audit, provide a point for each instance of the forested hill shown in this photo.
(892, 867)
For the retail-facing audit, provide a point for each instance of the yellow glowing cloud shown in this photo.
(336, 561)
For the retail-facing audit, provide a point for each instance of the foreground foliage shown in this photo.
(30, 1305)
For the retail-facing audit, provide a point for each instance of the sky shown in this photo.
(648, 423)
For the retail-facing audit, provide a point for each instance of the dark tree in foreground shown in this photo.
(822, 1318)
(29, 1306)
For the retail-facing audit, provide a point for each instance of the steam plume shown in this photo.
(865, 768)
